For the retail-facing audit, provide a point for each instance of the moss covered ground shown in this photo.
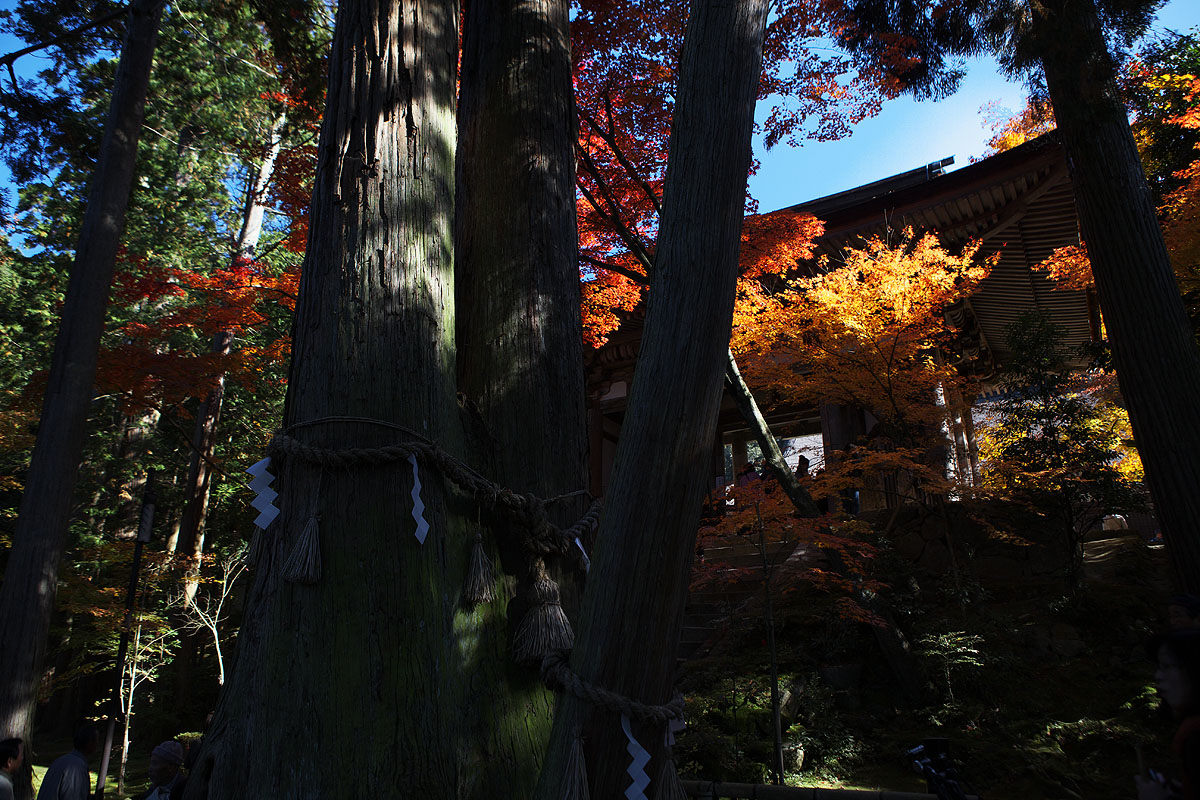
(1042, 692)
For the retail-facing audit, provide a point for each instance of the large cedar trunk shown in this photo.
(1157, 361)
(374, 680)
(633, 609)
(520, 358)
(31, 577)
(520, 341)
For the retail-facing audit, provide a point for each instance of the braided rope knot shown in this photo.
(557, 674)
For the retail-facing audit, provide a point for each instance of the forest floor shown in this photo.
(1042, 693)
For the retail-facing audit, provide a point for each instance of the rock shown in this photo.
(1065, 641)
(909, 545)
(842, 676)
(789, 703)
(936, 557)
(793, 757)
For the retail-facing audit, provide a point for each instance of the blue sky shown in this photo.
(906, 134)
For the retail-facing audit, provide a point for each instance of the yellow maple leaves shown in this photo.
(865, 332)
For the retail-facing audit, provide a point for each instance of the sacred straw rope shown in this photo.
(557, 674)
(539, 535)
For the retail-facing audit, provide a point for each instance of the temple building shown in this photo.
(1019, 204)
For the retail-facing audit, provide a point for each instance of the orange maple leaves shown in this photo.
(1009, 131)
(149, 364)
(1180, 211)
(625, 61)
(1069, 268)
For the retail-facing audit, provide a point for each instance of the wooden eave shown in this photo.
(1019, 203)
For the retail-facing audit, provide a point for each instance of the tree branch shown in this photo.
(608, 138)
(7, 60)
(637, 278)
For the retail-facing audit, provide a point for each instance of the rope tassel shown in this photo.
(669, 785)
(304, 564)
(545, 626)
(575, 782)
(258, 546)
(481, 576)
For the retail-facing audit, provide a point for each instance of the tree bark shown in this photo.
(639, 578)
(376, 667)
(520, 345)
(129, 472)
(31, 577)
(1157, 362)
(520, 338)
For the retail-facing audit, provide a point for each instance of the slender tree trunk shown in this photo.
(376, 666)
(744, 400)
(1154, 351)
(129, 466)
(639, 578)
(520, 337)
(31, 577)
(196, 491)
(190, 542)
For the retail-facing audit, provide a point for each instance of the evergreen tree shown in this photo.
(1051, 444)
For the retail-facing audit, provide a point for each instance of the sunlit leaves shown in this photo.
(1011, 130)
(866, 333)
(626, 59)
(1069, 268)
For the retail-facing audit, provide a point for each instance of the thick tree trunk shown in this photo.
(375, 668)
(30, 580)
(520, 354)
(633, 609)
(520, 339)
(1155, 354)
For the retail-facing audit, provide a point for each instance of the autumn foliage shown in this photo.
(1013, 130)
(1069, 268)
(867, 332)
(625, 63)
(146, 364)
(1180, 211)
(833, 553)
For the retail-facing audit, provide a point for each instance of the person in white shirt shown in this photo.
(12, 751)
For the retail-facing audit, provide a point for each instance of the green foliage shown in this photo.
(952, 651)
(219, 85)
(934, 39)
